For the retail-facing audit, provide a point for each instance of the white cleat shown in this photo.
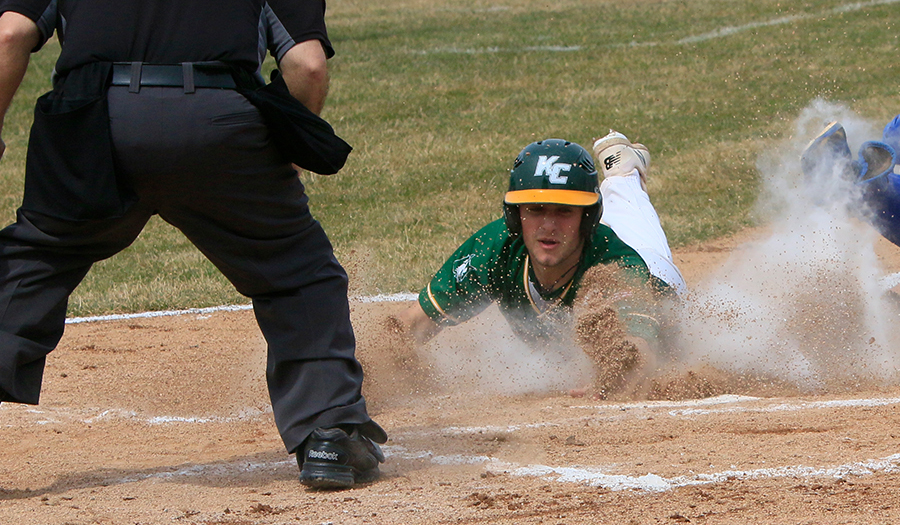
(617, 157)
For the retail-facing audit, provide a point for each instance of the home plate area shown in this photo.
(166, 420)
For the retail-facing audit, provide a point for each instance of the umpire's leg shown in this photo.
(286, 264)
(42, 260)
(207, 160)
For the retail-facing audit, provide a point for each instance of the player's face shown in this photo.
(551, 235)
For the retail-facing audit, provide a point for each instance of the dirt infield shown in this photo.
(166, 420)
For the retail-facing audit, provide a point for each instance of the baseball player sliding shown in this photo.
(570, 253)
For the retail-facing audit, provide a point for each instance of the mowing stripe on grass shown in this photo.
(489, 50)
(716, 33)
(730, 30)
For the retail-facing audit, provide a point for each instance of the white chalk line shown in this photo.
(88, 416)
(594, 476)
(688, 409)
(731, 30)
(717, 33)
(792, 407)
(230, 470)
(164, 313)
(381, 298)
(46, 416)
(386, 298)
(889, 281)
(619, 411)
(684, 409)
(599, 476)
(453, 50)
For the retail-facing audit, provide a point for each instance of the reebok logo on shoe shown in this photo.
(321, 454)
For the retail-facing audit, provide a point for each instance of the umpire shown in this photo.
(144, 118)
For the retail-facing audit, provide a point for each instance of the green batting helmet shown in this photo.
(553, 171)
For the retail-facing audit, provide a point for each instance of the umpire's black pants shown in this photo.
(204, 162)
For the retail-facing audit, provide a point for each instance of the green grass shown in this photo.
(437, 98)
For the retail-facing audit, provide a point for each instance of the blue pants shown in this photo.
(882, 197)
(882, 194)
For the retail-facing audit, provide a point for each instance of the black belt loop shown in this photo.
(187, 69)
(135, 85)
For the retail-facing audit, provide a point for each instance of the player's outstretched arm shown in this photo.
(18, 36)
(615, 328)
(415, 323)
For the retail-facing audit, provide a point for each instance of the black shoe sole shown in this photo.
(328, 476)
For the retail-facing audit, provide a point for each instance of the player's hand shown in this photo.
(643, 348)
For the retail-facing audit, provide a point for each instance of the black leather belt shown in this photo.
(188, 75)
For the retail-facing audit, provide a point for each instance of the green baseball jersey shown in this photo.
(493, 266)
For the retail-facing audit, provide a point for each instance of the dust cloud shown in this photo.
(485, 355)
(803, 305)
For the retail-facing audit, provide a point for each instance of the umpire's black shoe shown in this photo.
(332, 459)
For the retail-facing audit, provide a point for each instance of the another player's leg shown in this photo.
(880, 187)
(627, 208)
(872, 172)
(891, 133)
(829, 154)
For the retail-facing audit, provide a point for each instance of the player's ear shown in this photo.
(513, 219)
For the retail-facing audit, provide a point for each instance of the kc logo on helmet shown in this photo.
(548, 166)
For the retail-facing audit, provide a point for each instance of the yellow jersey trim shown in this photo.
(438, 307)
